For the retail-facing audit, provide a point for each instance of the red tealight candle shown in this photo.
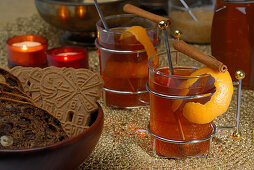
(76, 57)
(27, 50)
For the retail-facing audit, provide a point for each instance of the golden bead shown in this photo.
(239, 74)
(178, 34)
(163, 24)
(236, 135)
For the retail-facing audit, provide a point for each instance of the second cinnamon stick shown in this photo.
(142, 13)
(196, 54)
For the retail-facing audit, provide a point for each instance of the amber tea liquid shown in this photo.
(168, 122)
(124, 72)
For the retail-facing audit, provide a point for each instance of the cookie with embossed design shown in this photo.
(22, 73)
(30, 78)
(69, 94)
(33, 85)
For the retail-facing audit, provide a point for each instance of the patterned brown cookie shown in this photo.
(69, 94)
(33, 84)
(23, 125)
(23, 75)
(9, 79)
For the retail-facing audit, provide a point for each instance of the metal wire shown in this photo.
(179, 97)
(181, 141)
(124, 92)
(120, 51)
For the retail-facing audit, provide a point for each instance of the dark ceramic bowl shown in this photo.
(64, 155)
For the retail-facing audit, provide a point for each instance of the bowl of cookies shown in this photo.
(50, 117)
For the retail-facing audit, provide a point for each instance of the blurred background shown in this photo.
(11, 9)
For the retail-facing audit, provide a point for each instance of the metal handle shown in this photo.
(239, 75)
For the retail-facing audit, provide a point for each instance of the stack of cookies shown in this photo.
(40, 107)
(68, 94)
(22, 124)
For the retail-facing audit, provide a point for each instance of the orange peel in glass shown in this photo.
(217, 105)
(131, 69)
(142, 37)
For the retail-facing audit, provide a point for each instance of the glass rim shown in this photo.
(196, 10)
(156, 71)
(75, 3)
(99, 23)
(239, 2)
(122, 51)
(206, 7)
(43, 40)
(53, 51)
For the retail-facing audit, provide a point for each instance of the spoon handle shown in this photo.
(101, 14)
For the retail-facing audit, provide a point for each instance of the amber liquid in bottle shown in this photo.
(232, 37)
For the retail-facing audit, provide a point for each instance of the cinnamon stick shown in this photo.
(196, 54)
(128, 8)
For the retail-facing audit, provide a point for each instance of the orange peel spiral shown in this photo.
(141, 36)
(131, 69)
(219, 102)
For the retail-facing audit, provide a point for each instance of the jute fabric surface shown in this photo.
(123, 146)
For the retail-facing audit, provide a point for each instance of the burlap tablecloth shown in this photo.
(122, 146)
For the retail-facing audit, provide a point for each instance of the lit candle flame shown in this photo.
(65, 58)
(24, 47)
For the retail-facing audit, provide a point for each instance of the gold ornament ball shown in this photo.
(177, 34)
(163, 24)
(236, 135)
(239, 75)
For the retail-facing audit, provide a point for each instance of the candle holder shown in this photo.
(67, 56)
(27, 50)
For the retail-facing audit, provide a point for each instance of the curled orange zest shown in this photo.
(219, 102)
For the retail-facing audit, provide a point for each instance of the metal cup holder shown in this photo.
(236, 134)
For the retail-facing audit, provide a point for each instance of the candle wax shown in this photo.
(67, 53)
(26, 44)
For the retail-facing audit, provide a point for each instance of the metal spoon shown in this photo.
(189, 11)
(101, 14)
(163, 26)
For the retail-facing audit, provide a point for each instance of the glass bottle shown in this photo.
(232, 37)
